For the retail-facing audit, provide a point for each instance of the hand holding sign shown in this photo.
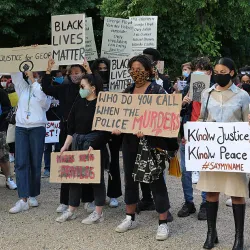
(51, 63)
(86, 66)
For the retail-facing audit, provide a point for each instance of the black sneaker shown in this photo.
(187, 209)
(202, 215)
(170, 217)
(145, 206)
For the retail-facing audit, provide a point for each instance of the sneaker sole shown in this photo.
(161, 238)
(69, 219)
(118, 230)
(10, 188)
(19, 211)
(93, 222)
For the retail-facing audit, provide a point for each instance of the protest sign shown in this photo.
(76, 167)
(25, 58)
(145, 33)
(90, 46)
(119, 75)
(52, 132)
(68, 38)
(181, 85)
(214, 146)
(198, 84)
(117, 37)
(156, 115)
(160, 67)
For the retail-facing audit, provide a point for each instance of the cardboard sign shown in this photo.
(76, 167)
(198, 84)
(160, 67)
(119, 75)
(156, 115)
(181, 85)
(117, 37)
(145, 33)
(90, 46)
(25, 58)
(52, 132)
(214, 146)
(68, 38)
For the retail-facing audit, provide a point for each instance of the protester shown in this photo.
(30, 135)
(81, 136)
(140, 68)
(67, 94)
(191, 112)
(5, 107)
(53, 114)
(102, 66)
(224, 102)
(155, 56)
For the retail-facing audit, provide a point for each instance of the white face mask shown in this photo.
(199, 73)
(4, 84)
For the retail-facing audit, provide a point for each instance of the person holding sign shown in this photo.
(30, 135)
(102, 66)
(81, 136)
(191, 112)
(224, 102)
(67, 95)
(140, 68)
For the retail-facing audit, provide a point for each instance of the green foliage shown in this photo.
(186, 28)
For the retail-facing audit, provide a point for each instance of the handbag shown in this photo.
(174, 167)
(11, 117)
(149, 164)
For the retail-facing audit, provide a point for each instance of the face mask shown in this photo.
(4, 84)
(139, 77)
(246, 87)
(199, 73)
(58, 79)
(222, 80)
(76, 78)
(84, 92)
(185, 73)
(104, 75)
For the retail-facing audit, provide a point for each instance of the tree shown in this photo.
(191, 28)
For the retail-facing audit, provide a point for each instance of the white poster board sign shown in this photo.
(119, 75)
(117, 37)
(145, 33)
(90, 45)
(181, 85)
(52, 132)
(160, 67)
(198, 84)
(214, 146)
(32, 58)
(68, 39)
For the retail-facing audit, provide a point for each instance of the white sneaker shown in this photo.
(195, 177)
(61, 208)
(11, 184)
(126, 225)
(67, 215)
(89, 207)
(229, 202)
(33, 202)
(113, 203)
(93, 218)
(19, 207)
(162, 232)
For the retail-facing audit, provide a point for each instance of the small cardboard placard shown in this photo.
(52, 132)
(198, 84)
(156, 115)
(76, 167)
(181, 85)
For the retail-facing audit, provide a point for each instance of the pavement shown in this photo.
(36, 229)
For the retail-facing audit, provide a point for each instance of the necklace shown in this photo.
(88, 102)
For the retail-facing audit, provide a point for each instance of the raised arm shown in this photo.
(19, 82)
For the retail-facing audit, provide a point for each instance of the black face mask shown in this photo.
(104, 75)
(246, 87)
(222, 80)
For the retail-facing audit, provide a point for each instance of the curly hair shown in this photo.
(95, 64)
(202, 63)
(144, 60)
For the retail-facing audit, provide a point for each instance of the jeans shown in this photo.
(186, 179)
(47, 154)
(29, 153)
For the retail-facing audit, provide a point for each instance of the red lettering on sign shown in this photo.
(65, 158)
